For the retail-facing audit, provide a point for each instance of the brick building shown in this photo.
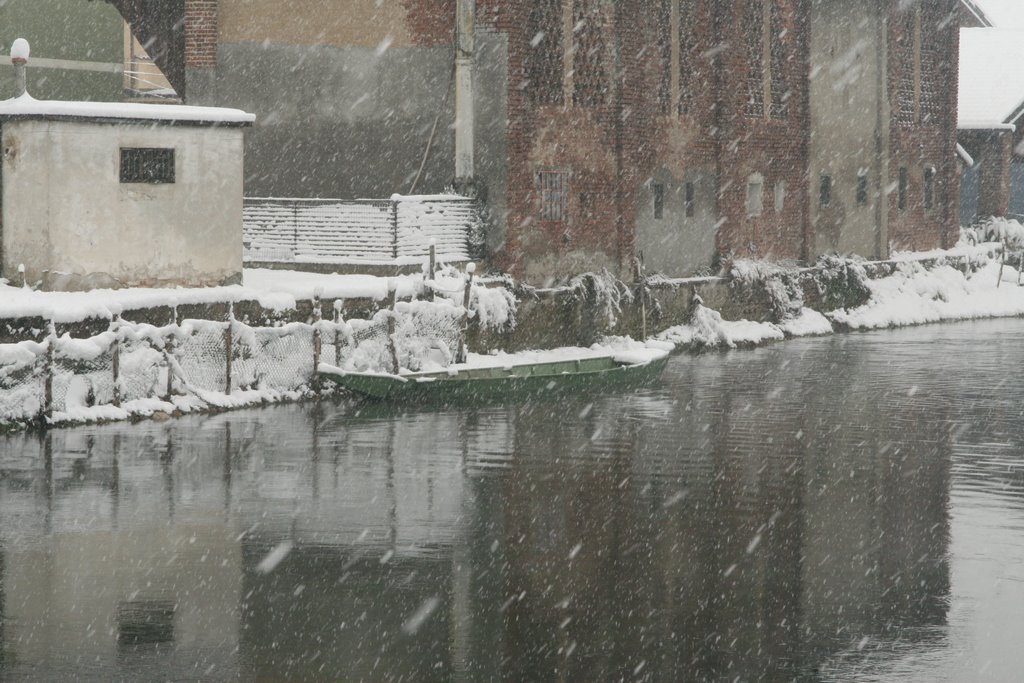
(686, 131)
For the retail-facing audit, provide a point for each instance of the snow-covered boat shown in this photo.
(614, 371)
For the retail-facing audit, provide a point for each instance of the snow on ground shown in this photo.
(914, 295)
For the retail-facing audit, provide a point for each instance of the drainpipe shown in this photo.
(19, 57)
(464, 54)
(882, 143)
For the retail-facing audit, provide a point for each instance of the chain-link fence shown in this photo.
(61, 377)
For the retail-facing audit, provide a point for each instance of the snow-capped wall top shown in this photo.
(27, 106)
(20, 50)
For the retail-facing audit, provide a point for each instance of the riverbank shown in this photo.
(148, 332)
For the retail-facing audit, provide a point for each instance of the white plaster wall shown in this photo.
(845, 59)
(74, 225)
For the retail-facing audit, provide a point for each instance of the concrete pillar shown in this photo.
(464, 58)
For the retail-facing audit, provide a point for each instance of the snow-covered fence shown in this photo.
(396, 231)
(137, 369)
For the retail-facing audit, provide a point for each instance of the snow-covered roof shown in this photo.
(1003, 13)
(991, 77)
(27, 106)
(977, 12)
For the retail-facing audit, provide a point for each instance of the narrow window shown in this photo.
(825, 191)
(659, 201)
(553, 187)
(780, 196)
(902, 188)
(755, 192)
(147, 165)
(862, 188)
(929, 187)
(690, 200)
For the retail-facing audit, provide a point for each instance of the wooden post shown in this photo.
(432, 266)
(116, 371)
(339, 317)
(392, 301)
(229, 351)
(318, 315)
(641, 281)
(51, 339)
(466, 297)
(1002, 262)
(169, 356)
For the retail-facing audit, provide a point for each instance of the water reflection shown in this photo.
(771, 515)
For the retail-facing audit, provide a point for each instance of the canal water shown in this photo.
(848, 508)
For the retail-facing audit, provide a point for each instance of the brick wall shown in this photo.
(773, 146)
(201, 33)
(612, 148)
(924, 136)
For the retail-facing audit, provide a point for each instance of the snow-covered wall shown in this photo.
(73, 224)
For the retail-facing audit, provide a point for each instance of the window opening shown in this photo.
(862, 188)
(659, 201)
(902, 189)
(553, 187)
(147, 165)
(929, 187)
(825, 191)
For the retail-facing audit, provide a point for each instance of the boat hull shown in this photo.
(489, 384)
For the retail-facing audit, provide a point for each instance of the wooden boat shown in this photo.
(529, 379)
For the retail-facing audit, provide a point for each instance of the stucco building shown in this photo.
(120, 194)
(685, 132)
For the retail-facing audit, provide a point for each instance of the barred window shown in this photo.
(545, 56)
(589, 75)
(753, 33)
(553, 188)
(147, 165)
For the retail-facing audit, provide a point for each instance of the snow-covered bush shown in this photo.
(780, 286)
(605, 292)
(839, 282)
(1007, 231)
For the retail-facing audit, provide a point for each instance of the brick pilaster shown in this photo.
(201, 34)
